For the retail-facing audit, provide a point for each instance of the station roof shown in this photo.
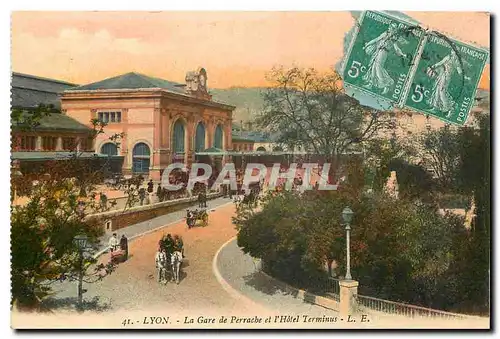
(132, 80)
(55, 122)
(28, 91)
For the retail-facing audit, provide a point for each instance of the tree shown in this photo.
(401, 250)
(440, 150)
(379, 158)
(43, 229)
(42, 248)
(475, 179)
(309, 109)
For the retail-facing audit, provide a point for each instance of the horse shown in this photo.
(161, 263)
(176, 261)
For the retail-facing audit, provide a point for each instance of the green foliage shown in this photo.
(28, 120)
(42, 247)
(42, 230)
(380, 155)
(400, 250)
(308, 108)
(415, 182)
(441, 152)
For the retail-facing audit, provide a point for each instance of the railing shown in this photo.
(406, 310)
(333, 288)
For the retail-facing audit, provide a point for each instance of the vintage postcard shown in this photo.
(250, 170)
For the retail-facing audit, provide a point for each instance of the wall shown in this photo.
(134, 215)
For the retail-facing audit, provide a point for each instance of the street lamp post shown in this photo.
(81, 243)
(347, 214)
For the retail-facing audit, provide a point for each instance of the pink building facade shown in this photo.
(161, 121)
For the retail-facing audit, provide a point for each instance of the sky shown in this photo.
(236, 48)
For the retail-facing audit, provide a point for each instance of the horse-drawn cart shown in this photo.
(193, 216)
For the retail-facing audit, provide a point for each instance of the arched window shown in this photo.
(109, 149)
(278, 149)
(178, 137)
(199, 140)
(140, 158)
(261, 149)
(218, 137)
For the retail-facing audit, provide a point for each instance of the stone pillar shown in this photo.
(123, 151)
(210, 130)
(154, 167)
(59, 144)
(38, 145)
(189, 145)
(228, 135)
(348, 293)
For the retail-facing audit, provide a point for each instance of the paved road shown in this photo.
(242, 273)
(133, 289)
(133, 285)
(164, 220)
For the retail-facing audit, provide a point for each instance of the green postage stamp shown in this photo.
(401, 63)
(381, 55)
(446, 78)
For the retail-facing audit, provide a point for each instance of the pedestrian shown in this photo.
(151, 187)
(168, 243)
(159, 192)
(189, 219)
(113, 243)
(179, 245)
(204, 198)
(200, 200)
(142, 195)
(103, 199)
(124, 246)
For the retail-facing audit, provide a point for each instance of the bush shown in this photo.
(400, 250)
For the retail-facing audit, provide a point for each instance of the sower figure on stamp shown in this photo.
(379, 48)
(440, 99)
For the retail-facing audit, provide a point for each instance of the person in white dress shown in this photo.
(113, 243)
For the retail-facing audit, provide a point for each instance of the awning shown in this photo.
(41, 156)
(212, 151)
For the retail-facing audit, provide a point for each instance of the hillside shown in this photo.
(248, 101)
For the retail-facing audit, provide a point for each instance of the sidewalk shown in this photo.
(241, 272)
(138, 229)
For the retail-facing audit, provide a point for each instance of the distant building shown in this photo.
(162, 121)
(55, 136)
(241, 144)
